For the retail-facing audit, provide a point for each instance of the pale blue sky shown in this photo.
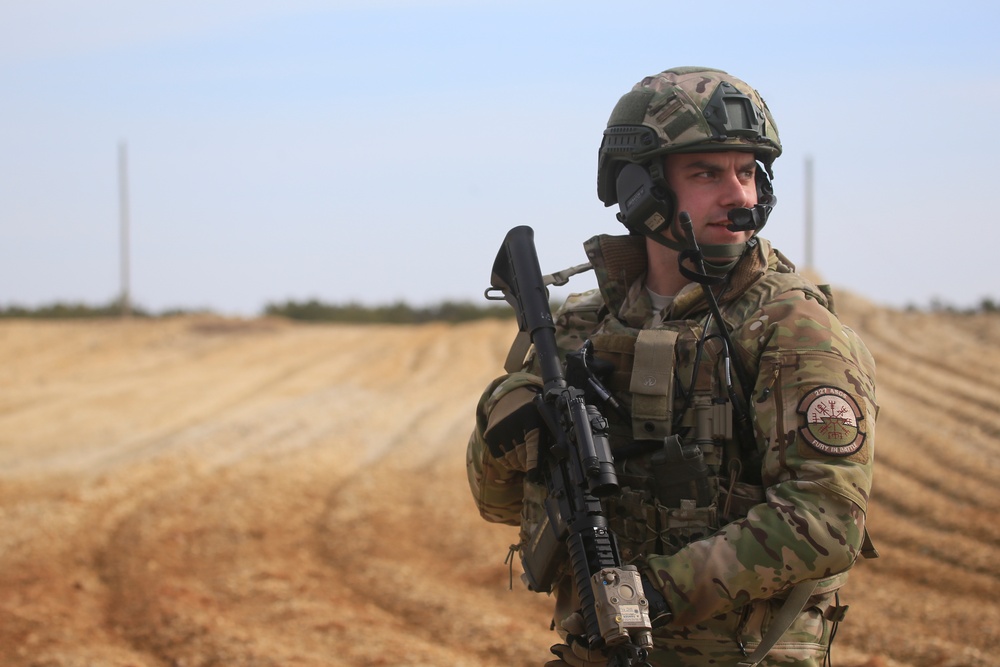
(376, 151)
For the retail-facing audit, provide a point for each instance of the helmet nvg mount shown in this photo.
(683, 110)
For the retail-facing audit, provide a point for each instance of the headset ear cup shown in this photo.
(644, 206)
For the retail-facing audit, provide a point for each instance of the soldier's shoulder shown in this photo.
(582, 302)
(578, 317)
(581, 310)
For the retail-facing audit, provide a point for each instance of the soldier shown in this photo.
(745, 442)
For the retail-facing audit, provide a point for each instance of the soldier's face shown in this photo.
(708, 186)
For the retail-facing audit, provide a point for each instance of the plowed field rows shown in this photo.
(200, 492)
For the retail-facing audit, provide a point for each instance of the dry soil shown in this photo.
(201, 491)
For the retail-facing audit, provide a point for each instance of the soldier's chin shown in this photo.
(721, 235)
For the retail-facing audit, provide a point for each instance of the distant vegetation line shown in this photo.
(396, 313)
(306, 311)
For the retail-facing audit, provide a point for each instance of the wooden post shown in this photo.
(126, 299)
(810, 264)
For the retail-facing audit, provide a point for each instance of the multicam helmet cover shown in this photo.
(684, 110)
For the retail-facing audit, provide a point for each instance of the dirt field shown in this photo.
(204, 492)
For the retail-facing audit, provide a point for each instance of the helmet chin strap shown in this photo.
(722, 258)
(714, 261)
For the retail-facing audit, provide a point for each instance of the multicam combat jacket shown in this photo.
(787, 507)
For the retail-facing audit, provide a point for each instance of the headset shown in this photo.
(648, 206)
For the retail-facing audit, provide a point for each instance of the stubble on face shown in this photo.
(708, 186)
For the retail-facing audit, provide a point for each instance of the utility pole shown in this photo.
(809, 214)
(125, 298)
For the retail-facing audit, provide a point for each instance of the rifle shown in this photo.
(577, 468)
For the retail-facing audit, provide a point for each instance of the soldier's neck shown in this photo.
(662, 274)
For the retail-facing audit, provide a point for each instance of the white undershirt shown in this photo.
(660, 305)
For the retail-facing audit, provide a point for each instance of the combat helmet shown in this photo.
(683, 110)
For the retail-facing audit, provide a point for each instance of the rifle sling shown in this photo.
(793, 606)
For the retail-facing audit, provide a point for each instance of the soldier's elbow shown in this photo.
(843, 543)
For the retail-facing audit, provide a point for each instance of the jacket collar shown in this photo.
(620, 266)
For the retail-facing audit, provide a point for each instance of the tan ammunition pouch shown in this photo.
(652, 384)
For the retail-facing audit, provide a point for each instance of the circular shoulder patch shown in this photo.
(832, 419)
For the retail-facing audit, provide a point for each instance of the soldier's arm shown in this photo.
(496, 478)
(496, 481)
(815, 412)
